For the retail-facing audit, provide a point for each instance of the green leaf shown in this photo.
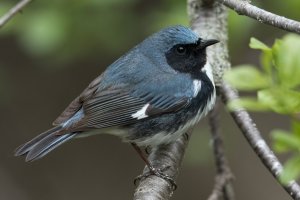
(284, 141)
(266, 61)
(280, 100)
(246, 77)
(287, 60)
(247, 103)
(266, 56)
(291, 170)
(256, 44)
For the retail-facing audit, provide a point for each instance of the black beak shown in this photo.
(206, 43)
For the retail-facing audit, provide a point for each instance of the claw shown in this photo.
(152, 170)
(158, 173)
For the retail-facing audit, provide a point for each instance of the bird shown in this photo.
(148, 97)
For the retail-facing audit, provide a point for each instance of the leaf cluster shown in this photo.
(277, 88)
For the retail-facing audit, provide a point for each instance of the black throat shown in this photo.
(192, 61)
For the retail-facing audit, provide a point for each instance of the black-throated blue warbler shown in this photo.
(150, 96)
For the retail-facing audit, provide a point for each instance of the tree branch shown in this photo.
(223, 187)
(243, 7)
(170, 156)
(210, 21)
(258, 144)
(13, 11)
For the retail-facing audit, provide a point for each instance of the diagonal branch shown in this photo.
(243, 7)
(258, 144)
(13, 11)
(223, 188)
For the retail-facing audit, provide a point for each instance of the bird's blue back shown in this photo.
(148, 60)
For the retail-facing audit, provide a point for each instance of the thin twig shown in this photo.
(243, 7)
(168, 157)
(13, 11)
(223, 187)
(258, 144)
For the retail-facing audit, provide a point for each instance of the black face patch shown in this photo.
(186, 58)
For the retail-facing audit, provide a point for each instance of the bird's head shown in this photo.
(182, 48)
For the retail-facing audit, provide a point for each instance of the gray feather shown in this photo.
(47, 144)
(43, 143)
(23, 149)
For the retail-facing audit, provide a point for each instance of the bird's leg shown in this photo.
(152, 170)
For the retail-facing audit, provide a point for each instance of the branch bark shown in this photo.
(209, 20)
(223, 188)
(258, 144)
(169, 156)
(13, 11)
(243, 7)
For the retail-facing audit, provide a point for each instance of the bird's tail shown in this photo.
(44, 143)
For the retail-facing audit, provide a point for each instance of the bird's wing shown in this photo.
(120, 97)
(119, 106)
(76, 104)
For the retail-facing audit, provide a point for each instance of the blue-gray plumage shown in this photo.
(149, 96)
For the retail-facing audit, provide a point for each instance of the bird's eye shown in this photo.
(181, 50)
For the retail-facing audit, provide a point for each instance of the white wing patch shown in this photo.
(140, 114)
(163, 137)
(197, 87)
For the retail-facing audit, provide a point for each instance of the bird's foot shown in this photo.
(157, 172)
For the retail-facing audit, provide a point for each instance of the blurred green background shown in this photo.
(53, 49)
